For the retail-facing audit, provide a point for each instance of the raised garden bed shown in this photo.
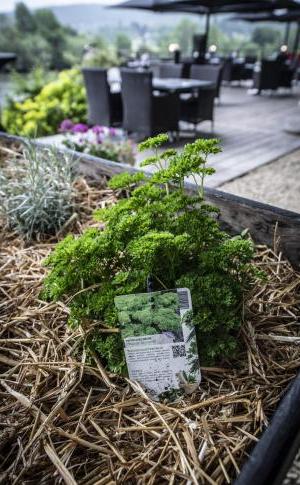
(65, 416)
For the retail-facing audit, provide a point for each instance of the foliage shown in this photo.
(31, 49)
(30, 85)
(268, 39)
(123, 43)
(36, 192)
(265, 35)
(229, 37)
(41, 115)
(37, 38)
(181, 34)
(50, 29)
(100, 54)
(25, 22)
(157, 230)
(98, 141)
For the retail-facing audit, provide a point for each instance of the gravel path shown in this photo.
(277, 183)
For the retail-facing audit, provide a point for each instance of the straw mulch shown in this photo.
(64, 419)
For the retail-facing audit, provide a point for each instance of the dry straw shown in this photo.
(64, 419)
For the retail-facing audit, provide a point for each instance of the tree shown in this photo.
(46, 21)
(25, 21)
(265, 35)
(51, 30)
(4, 21)
(123, 43)
(183, 35)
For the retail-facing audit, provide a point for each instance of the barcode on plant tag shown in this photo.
(183, 299)
(178, 351)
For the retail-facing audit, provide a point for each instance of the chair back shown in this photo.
(98, 96)
(208, 72)
(227, 70)
(137, 101)
(170, 70)
(250, 59)
(205, 72)
(270, 74)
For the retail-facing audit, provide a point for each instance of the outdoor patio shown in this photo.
(251, 130)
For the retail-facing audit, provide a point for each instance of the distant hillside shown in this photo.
(98, 18)
(95, 17)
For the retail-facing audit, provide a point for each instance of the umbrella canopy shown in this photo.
(276, 16)
(152, 5)
(209, 6)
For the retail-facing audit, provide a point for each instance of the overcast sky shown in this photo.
(8, 5)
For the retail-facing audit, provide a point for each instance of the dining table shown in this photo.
(171, 85)
(180, 85)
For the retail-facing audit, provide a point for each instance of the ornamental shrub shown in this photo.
(36, 191)
(156, 230)
(31, 84)
(40, 115)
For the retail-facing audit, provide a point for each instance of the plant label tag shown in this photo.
(160, 341)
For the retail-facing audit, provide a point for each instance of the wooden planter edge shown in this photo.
(266, 223)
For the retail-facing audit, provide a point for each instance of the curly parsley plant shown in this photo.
(156, 229)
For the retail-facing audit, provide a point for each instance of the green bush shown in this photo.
(31, 84)
(42, 114)
(156, 230)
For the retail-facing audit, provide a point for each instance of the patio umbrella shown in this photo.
(208, 7)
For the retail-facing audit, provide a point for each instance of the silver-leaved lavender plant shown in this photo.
(36, 190)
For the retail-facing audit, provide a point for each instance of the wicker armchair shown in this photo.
(267, 76)
(208, 72)
(104, 107)
(170, 70)
(145, 113)
(196, 109)
(233, 71)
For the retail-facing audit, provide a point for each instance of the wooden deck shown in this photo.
(251, 130)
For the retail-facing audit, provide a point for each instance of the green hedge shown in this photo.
(42, 114)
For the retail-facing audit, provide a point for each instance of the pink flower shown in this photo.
(98, 129)
(112, 132)
(66, 125)
(80, 128)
